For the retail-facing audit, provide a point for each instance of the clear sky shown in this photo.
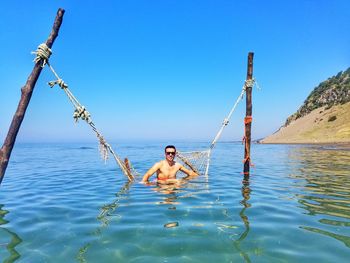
(166, 69)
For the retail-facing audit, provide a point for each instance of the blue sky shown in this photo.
(168, 70)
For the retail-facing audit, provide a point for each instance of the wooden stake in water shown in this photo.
(27, 91)
(248, 118)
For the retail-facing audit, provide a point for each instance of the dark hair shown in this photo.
(170, 147)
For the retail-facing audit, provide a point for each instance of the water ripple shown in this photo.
(61, 203)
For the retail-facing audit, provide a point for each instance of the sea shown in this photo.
(62, 203)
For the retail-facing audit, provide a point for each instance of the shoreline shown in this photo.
(343, 145)
(316, 128)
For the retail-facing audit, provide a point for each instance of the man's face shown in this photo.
(170, 154)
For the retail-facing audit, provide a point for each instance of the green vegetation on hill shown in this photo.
(333, 91)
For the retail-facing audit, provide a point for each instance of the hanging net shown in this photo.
(197, 161)
(80, 112)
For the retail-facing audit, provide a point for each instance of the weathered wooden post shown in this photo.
(128, 169)
(27, 91)
(248, 117)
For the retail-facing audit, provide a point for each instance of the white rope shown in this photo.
(59, 82)
(197, 161)
(247, 84)
(194, 160)
(42, 54)
(227, 119)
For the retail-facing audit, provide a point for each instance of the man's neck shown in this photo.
(171, 163)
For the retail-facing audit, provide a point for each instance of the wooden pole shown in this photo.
(248, 117)
(27, 91)
(128, 169)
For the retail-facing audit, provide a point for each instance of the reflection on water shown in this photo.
(106, 213)
(170, 198)
(295, 207)
(170, 194)
(246, 196)
(344, 239)
(8, 239)
(325, 192)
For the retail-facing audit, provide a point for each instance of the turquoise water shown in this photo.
(61, 203)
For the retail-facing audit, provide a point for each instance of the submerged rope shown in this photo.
(43, 54)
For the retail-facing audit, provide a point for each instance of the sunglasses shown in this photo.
(168, 153)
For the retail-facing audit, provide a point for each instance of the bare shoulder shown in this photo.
(157, 165)
(161, 163)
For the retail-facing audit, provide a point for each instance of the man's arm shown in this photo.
(150, 172)
(189, 173)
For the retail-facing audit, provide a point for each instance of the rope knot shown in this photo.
(249, 83)
(59, 82)
(248, 119)
(82, 113)
(43, 54)
(225, 122)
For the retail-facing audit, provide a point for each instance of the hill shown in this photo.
(324, 116)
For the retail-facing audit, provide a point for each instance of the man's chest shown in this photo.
(169, 170)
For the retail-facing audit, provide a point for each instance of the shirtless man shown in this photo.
(167, 169)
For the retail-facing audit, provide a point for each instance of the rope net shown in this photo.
(197, 161)
(80, 112)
